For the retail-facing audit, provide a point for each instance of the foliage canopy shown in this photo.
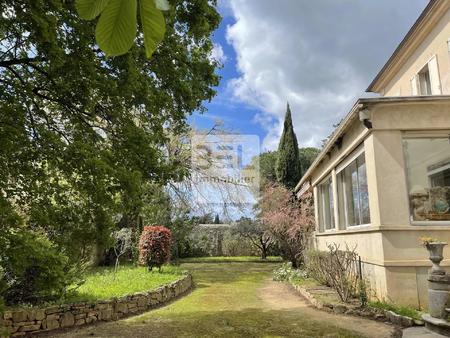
(83, 135)
(81, 132)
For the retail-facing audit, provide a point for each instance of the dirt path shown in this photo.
(236, 300)
(281, 296)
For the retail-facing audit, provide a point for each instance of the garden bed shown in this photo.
(324, 297)
(92, 304)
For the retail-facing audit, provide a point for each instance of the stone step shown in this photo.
(437, 325)
(420, 332)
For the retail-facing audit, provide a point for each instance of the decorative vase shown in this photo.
(435, 249)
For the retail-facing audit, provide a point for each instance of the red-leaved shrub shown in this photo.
(154, 246)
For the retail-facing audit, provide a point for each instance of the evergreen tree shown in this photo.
(216, 219)
(287, 167)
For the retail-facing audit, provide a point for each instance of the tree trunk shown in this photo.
(294, 263)
(263, 249)
(263, 254)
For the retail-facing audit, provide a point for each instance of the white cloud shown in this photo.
(218, 54)
(318, 55)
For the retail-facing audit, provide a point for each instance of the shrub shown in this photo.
(336, 268)
(314, 266)
(34, 269)
(155, 246)
(290, 221)
(286, 273)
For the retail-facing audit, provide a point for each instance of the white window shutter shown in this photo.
(434, 76)
(414, 85)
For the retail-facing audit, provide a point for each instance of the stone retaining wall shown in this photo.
(354, 310)
(26, 322)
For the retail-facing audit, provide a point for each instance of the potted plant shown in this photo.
(435, 249)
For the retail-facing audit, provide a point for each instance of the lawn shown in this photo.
(220, 259)
(228, 301)
(101, 283)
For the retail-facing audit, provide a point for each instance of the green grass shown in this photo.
(398, 309)
(226, 302)
(100, 283)
(220, 259)
(306, 282)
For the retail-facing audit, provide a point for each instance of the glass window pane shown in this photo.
(355, 192)
(363, 191)
(428, 172)
(326, 205)
(351, 192)
(320, 206)
(341, 200)
(331, 209)
(353, 195)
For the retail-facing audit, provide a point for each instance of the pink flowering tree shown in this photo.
(290, 220)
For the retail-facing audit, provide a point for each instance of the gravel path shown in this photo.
(281, 296)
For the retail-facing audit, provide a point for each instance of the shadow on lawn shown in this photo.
(245, 323)
(228, 273)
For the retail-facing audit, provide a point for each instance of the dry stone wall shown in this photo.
(26, 322)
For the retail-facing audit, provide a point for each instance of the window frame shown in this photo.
(339, 169)
(420, 135)
(424, 81)
(321, 204)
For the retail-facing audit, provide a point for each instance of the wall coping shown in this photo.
(25, 322)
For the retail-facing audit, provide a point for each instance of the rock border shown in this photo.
(26, 322)
(367, 312)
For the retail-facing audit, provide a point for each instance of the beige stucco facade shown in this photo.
(395, 263)
(427, 45)
(435, 45)
(414, 86)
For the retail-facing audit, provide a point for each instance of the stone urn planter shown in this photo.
(438, 280)
(435, 250)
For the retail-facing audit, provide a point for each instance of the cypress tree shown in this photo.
(216, 219)
(287, 167)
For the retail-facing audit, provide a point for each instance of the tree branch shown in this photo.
(20, 61)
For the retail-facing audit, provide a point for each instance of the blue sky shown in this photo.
(318, 55)
(236, 116)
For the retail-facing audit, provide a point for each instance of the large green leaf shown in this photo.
(116, 28)
(153, 25)
(90, 9)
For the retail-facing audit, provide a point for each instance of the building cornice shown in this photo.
(361, 104)
(416, 35)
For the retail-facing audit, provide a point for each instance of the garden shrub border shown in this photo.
(354, 310)
(25, 322)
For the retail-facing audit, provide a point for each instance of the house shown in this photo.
(383, 179)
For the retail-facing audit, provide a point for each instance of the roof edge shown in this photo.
(413, 31)
(359, 105)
